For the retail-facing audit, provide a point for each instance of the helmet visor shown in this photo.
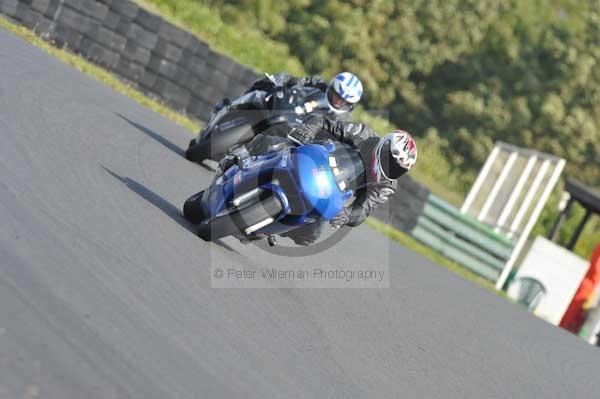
(337, 101)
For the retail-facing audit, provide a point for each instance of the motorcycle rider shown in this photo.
(385, 158)
(341, 94)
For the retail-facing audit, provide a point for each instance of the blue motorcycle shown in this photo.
(270, 194)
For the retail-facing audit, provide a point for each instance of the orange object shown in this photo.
(573, 318)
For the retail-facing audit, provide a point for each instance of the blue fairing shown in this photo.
(316, 181)
(224, 189)
(300, 177)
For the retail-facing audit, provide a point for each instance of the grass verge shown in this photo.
(109, 79)
(414, 245)
(99, 74)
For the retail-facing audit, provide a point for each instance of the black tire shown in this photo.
(215, 146)
(198, 152)
(192, 208)
(239, 219)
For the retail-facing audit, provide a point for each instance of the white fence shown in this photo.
(510, 193)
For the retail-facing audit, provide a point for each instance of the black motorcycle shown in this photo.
(232, 126)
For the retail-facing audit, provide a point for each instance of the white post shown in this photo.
(480, 180)
(497, 186)
(515, 193)
(531, 222)
(529, 198)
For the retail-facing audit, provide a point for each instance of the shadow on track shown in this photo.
(168, 209)
(167, 143)
(162, 140)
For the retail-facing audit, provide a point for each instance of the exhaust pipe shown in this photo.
(258, 226)
(242, 198)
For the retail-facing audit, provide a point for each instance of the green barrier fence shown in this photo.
(462, 239)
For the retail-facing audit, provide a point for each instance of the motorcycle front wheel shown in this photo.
(192, 208)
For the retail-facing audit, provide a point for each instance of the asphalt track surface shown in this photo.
(105, 290)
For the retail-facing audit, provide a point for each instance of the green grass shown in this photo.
(109, 79)
(414, 245)
(100, 74)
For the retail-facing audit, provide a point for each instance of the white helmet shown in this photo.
(394, 155)
(344, 92)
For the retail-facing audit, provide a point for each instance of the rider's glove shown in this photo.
(233, 157)
(227, 162)
(302, 134)
(341, 219)
(306, 132)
